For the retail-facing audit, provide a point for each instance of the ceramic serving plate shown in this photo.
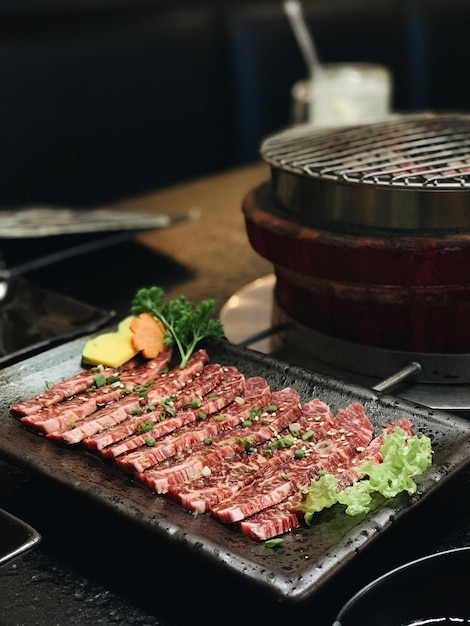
(308, 556)
(34, 319)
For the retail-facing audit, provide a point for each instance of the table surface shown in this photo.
(92, 567)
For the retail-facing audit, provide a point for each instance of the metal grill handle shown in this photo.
(412, 369)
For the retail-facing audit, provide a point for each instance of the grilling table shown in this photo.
(94, 567)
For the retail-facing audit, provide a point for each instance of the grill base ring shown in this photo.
(410, 294)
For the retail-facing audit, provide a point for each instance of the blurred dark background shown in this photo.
(105, 99)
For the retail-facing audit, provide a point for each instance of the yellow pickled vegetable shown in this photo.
(113, 348)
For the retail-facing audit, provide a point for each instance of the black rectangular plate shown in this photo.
(308, 556)
(33, 319)
(16, 537)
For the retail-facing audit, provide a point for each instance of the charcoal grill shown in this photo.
(368, 230)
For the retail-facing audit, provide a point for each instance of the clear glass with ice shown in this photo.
(350, 93)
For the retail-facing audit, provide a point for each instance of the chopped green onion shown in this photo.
(194, 404)
(99, 380)
(254, 413)
(144, 428)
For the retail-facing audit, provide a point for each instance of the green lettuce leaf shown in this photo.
(404, 457)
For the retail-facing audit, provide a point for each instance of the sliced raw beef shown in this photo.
(68, 412)
(236, 472)
(231, 386)
(231, 382)
(203, 383)
(351, 433)
(204, 458)
(118, 411)
(225, 479)
(104, 418)
(60, 391)
(271, 522)
(349, 475)
(164, 415)
(285, 516)
(177, 378)
(316, 417)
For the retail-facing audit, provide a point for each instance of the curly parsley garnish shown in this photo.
(185, 324)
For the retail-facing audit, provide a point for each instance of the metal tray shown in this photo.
(309, 556)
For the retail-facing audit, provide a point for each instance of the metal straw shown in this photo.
(293, 10)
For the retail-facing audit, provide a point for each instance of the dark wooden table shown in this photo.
(91, 566)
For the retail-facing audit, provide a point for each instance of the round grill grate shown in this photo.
(420, 151)
(398, 173)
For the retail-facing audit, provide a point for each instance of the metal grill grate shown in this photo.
(424, 151)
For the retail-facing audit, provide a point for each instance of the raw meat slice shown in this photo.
(352, 432)
(60, 391)
(271, 522)
(68, 412)
(203, 459)
(202, 494)
(285, 516)
(232, 385)
(349, 475)
(166, 385)
(225, 479)
(164, 415)
(183, 421)
(177, 378)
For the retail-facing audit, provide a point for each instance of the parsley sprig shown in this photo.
(185, 324)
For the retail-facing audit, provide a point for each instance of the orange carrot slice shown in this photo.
(148, 335)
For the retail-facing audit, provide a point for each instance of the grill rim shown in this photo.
(336, 203)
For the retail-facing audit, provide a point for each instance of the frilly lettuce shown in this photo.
(404, 457)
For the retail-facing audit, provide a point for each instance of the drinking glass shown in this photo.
(340, 94)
